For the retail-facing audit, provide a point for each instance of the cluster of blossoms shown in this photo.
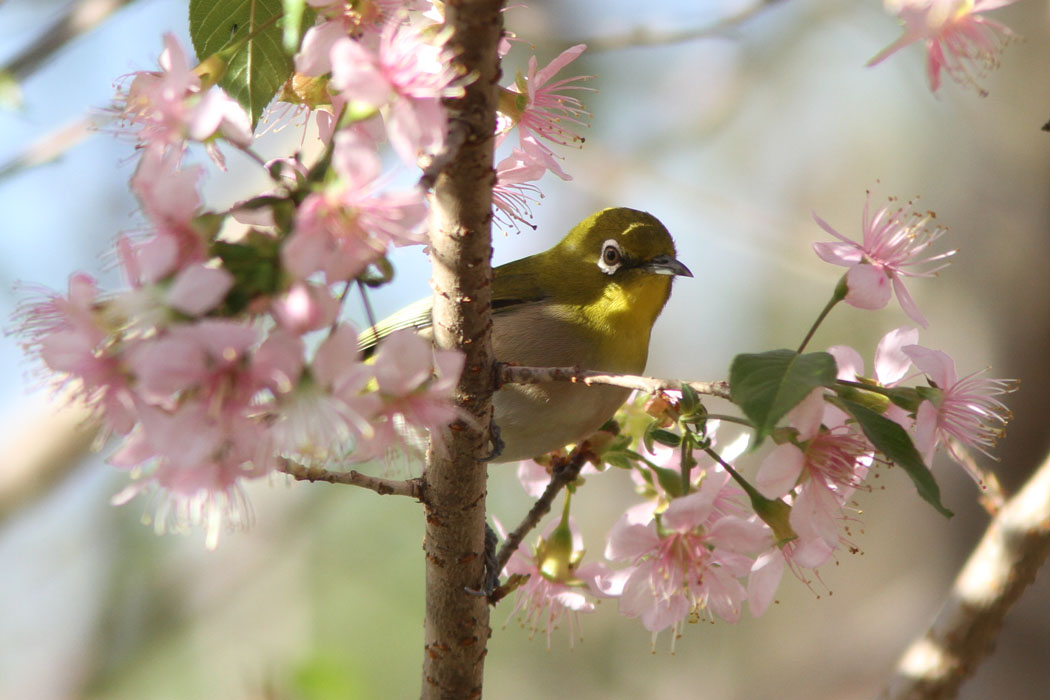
(702, 545)
(237, 340)
(958, 38)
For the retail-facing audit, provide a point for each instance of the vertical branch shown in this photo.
(456, 628)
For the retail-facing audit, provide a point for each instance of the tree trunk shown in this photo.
(456, 628)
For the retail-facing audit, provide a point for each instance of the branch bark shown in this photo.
(456, 627)
(509, 374)
(384, 487)
(1015, 545)
(564, 471)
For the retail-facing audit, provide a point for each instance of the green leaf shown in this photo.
(666, 437)
(893, 441)
(690, 399)
(767, 385)
(259, 66)
(255, 266)
(670, 480)
(617, 459)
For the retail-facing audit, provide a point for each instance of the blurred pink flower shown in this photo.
(168, 195)
(317, 416)
(958, 38)
(405, 77)
(534, 477)
(416, 383)
(344, 228)
(305, 307)
(166, 108)
(892, 242)
(196, 459)
(964, 409)
(70, 336)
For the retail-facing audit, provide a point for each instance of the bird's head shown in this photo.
(618, 261)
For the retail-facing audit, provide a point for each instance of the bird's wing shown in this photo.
(512, 289)
(416, 316)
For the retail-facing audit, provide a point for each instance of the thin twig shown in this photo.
(80, 18)
(509, 374)
(412, 488)
(1015, 545)
(564, 471)
(642, 36)
(48, 148)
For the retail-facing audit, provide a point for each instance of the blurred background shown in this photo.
(732, 139)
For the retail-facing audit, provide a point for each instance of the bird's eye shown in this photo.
(612, 257)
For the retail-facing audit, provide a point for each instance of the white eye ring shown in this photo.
(611, 257)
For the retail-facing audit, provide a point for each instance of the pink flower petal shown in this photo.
(869, 287)
(764, 580)
(936, 364)
(199, 288)
(848, 361)
(780, 470)
(891, 362)
(628, 541)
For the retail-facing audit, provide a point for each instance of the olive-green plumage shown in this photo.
(590, 301)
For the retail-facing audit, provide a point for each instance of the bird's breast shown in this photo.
(536, 418)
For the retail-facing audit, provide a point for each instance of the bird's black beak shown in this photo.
(666, 265)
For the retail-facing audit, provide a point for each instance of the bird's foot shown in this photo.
(491, 580)
(497, 444)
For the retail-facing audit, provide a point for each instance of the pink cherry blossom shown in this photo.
(958, 38)
(71, 337)
(891, 366)
(43, 312)
(362, 20)
(512, 195)
(768, 568)
(826, 465)
(416, 383)
(168, 195)
(198, 288)
(305, 307)
(317, 416)
(168, 107)
(347, 226)
(198, 478)
(891, 362)
(406, 77)
(965, 409)
(544, 109)
(559, 585)
(893, 241)
(687, 561)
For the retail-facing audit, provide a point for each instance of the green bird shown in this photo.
(590, 301)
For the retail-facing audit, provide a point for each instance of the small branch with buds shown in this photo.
(508, 374)
(412, 488)
(564, 471)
